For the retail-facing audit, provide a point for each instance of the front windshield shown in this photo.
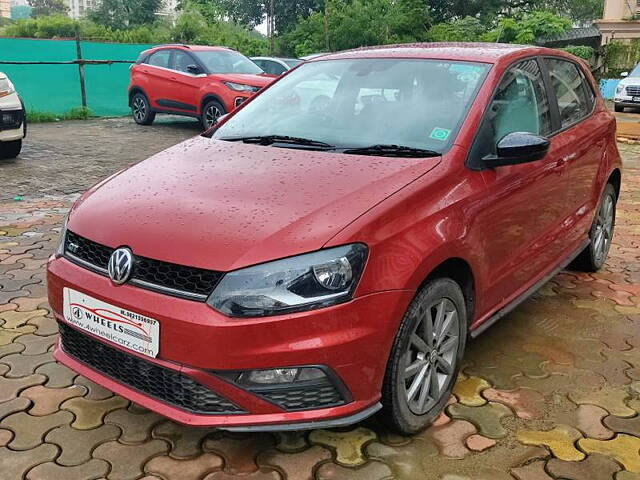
(223, 61)
(636, 71)
(356, 103)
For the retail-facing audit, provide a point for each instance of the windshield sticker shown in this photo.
(440, 134)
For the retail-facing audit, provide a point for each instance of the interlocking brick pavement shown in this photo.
(551, 392)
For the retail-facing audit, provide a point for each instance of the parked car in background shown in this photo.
(628, 91)
(13, 122)
(276, 66)
(296, 268)
(196, 81)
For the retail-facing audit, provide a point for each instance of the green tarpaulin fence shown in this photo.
(56, 88)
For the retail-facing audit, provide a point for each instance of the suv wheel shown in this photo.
(618, 108)
(10, 149)
(426, 356)
(211, 111)
(592, 258)
(141, 110)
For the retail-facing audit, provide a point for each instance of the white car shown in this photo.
(276, 66)
(628, 90)
(13, 125)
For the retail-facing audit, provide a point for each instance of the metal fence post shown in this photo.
(83, 90)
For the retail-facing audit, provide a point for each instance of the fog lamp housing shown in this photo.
(279, 376)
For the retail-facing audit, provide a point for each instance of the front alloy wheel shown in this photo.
(210, 114)
(426, 355)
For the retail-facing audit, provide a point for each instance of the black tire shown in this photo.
(593, 257)
(10, 149)
(141, 109)
(211, 111)
(396, 390)
(618, 108)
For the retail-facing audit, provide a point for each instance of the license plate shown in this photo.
(636, 99)
(127, 329)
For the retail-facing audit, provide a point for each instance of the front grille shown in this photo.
(10, 119)
(633, 90)
(178, 280)
(161, 383)
(318, 395)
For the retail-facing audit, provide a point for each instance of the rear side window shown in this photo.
(160, 58)
(571, 90)
(520, 104)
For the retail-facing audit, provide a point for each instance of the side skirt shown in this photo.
(527, 293)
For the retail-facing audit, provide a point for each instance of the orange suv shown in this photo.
(195, 81)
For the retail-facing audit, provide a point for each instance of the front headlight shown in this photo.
(6, 87)
(295, 284)
(240, 87)
(63, 237)
(620, 88)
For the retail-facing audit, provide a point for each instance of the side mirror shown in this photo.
(624, 74)
(516, 148)
(194, 69)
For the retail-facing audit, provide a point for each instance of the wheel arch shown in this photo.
(211, 96)
(136, 89)
(615, 179)
(461, 272)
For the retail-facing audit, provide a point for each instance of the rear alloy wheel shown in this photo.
(211, 112)
(592, 258)
(141, 110)
(10, 149)
(426, 355)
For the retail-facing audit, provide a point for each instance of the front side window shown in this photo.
(181, 61)
(356, 103)
(160, 58)
(520, 104)
(568, 84)
(273, 68)
(227, 61)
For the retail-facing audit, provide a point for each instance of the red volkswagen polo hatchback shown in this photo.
(327, 249)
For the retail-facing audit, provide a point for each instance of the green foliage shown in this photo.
(77, 113)
(121, 14)
(347, 24)
(620, 57)
(53, 26)
(20, 11)
(468, 29)
(581, 51)
(47, 7)
(526, 28)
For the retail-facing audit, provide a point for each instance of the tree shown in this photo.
(528, 27)
(121, 14)
(467, 29)
(42, 8)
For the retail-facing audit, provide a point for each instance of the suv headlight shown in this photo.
(240, 87)
(6, 87)
(63, 237)
(619, 89)
(295, 284)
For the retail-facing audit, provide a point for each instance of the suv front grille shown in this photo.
(633, 90)
(161, 383)
(177, 280)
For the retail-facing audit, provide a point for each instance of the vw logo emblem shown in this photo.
(120, 265)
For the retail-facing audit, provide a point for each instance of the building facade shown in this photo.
(5, 8)
(621, 20)
(80, 8)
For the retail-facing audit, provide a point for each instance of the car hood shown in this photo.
(244, 78)
(630, 81)
(225, 205)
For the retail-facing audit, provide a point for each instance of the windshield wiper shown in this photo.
(383, 150)
(271, 139)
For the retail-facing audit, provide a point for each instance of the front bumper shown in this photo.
(352, 340)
